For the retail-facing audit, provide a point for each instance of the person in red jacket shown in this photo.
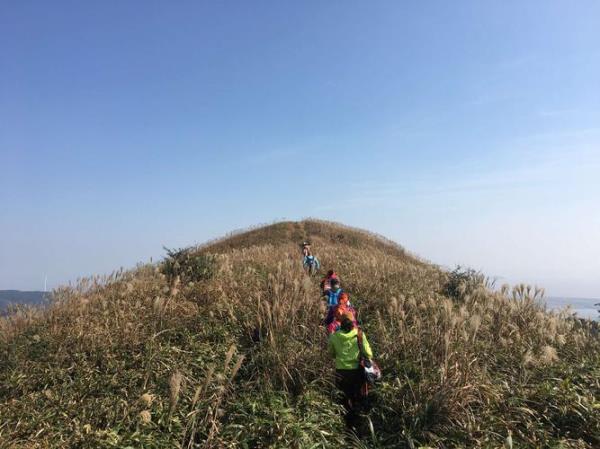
(341, 311)
(342, 299)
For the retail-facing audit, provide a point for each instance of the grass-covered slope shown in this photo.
(220, 346)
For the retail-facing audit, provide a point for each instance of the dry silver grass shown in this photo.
(236, 367)
(477, 343)
(228, 356)
(174, 388)
(548, 355)
(146, 399)
(529, 359)
(145, 417)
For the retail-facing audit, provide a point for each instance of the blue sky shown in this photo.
(469, 132)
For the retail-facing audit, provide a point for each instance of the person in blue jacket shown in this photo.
(333, 298)
(311, 263)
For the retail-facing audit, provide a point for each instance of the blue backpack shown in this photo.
(333, 297)
(310, 261)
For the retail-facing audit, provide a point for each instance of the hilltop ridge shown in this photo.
(221, 345)
(295, 232)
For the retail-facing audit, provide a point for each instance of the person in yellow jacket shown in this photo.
(343, 346)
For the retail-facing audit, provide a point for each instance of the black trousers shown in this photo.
(351, 382)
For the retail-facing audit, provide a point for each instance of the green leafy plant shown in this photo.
(463, 281)
(188, 265)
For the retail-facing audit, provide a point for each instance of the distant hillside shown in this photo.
(222, 346)
(20, 297)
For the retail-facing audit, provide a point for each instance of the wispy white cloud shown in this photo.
(537, 170)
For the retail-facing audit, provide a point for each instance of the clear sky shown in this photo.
(469, 132)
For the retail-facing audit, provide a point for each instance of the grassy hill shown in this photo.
(220, 346)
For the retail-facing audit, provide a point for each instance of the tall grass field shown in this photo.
(221, 346)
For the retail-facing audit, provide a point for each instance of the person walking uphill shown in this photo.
(310, 263)
(333, 297)
(341, 312)
(344, 347)
(326, 282)
(305, 248)
(336, 314)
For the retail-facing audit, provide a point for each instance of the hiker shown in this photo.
(326, 282)
(306, 248)
(343, 345)
(341, 311)
(311, 264)
(343, 302)
(332, 296)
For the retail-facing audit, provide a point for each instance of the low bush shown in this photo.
(463, 281)
(188, 265)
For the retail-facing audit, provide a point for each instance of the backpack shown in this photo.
(312, 262)
(333, 297)
(370, 369)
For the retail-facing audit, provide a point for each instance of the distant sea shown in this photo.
(584, 307)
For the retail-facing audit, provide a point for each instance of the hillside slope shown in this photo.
(221, 346)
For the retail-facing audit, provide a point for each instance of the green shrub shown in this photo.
(188, 266)
(463, 281)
